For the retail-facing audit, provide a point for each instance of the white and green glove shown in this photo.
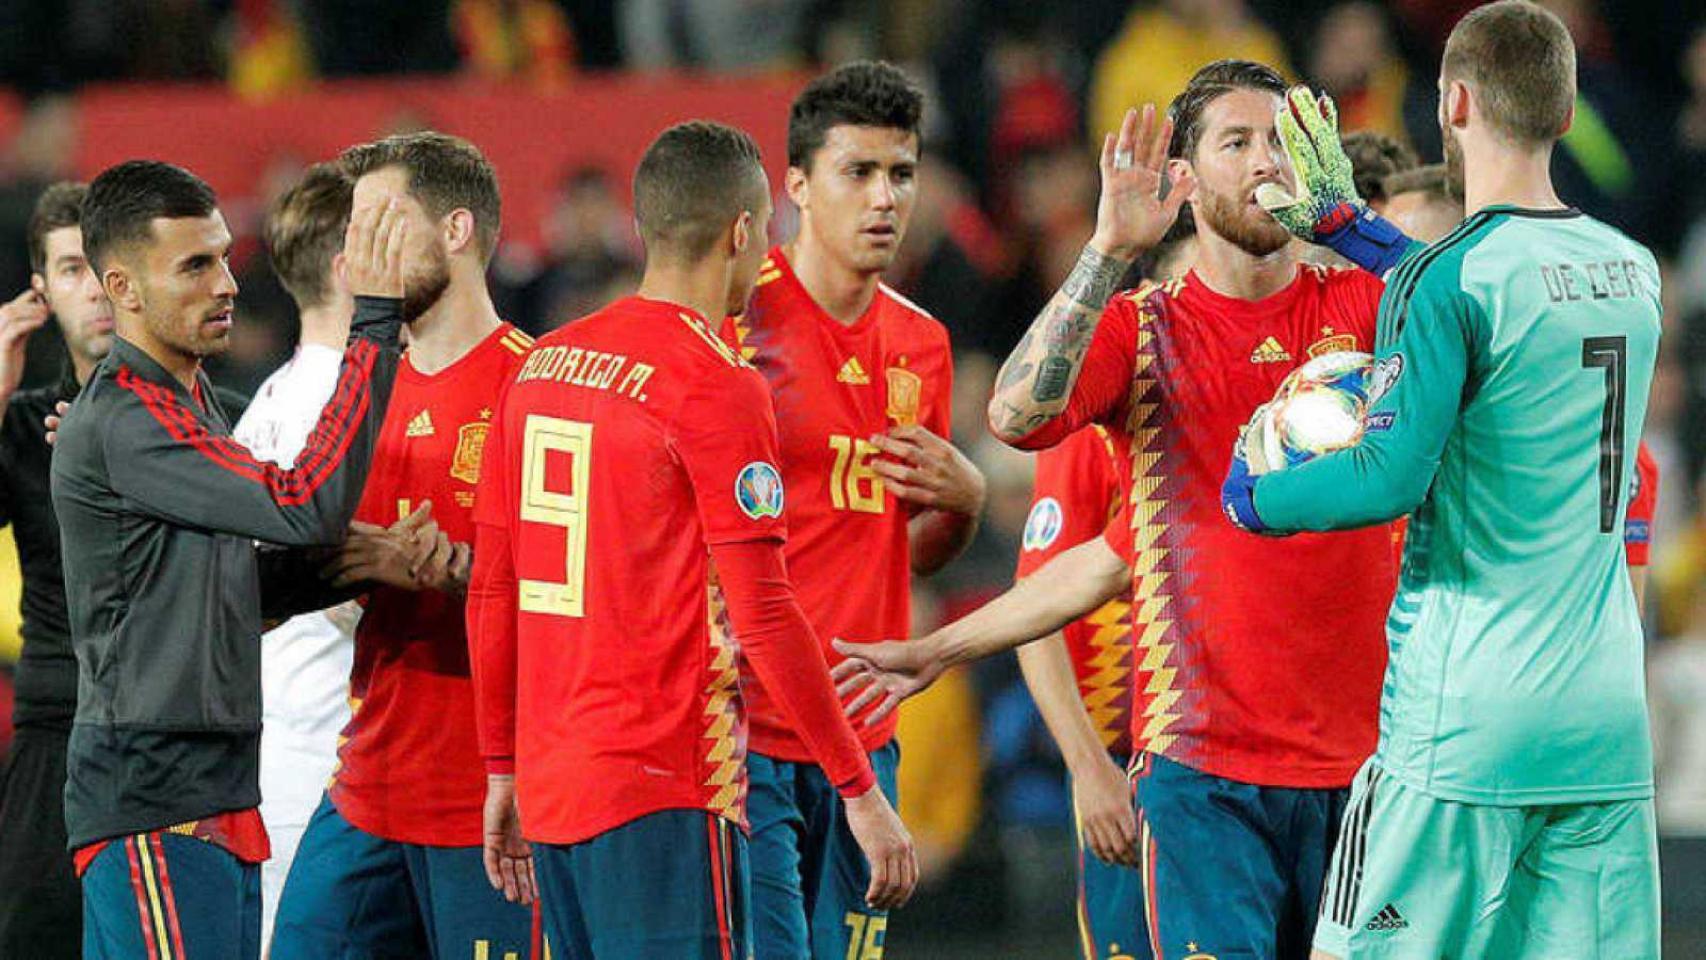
(1325, 208)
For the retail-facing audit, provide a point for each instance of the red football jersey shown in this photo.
(630, 442)
(409, 766)
(1259, 659)
(834, 385)
(1078, 489)
(1643, 503)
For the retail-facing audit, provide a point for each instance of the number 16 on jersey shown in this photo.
(545, 436)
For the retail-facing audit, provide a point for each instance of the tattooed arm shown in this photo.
(1036, 381)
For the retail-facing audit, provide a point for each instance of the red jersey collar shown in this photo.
(1280, 301)
(409, 372)
(788, 276)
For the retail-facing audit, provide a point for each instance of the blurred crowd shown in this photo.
(1018, 89)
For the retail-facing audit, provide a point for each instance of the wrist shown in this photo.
(1115, 249)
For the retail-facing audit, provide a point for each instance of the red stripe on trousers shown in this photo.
(141, 899)
(167, 895)
(725, 936)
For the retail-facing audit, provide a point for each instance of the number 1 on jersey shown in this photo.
(1612, 353)
(540, 504)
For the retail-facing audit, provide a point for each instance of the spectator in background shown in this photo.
(956, 261)
(1353, 58)
(528, 40)
(590, 258)
(1419, 202)
(1374, 157)
(365, 37)
(1163, 45)
(721, 36)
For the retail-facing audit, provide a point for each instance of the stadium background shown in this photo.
(564, 94)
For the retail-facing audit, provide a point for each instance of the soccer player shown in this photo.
(1515, 356)
(391, 861)
(1638, 525)
(630, 529)
(1081, 679)
(159, 510)
(861, 379)
(41, 912)
(305, 661)
(1257, 661)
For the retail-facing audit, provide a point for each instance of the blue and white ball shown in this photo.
(1319, 408)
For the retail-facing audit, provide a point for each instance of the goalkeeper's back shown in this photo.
(1516, 668)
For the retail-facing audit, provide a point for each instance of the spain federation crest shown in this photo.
(758, 490)
(905, 390)
(470, 444)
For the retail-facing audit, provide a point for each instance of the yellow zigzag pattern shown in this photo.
(724, 755)
(1150, 590)
(1103, 688)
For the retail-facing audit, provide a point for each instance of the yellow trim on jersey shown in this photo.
(712, 341)
(516, 342)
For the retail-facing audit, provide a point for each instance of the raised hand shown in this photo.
(1325, 197)
(887, 846)
(372, 258)
(19, 317)
(1131, 215)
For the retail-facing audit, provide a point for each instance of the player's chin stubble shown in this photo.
(1256, 235)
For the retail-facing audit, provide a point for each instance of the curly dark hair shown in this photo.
(1374, 157)
(864, 93)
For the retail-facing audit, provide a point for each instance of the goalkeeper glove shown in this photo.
(1238, 493)
(1326, 209)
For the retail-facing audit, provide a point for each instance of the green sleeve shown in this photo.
(1428, 337)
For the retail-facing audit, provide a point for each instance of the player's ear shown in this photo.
(38, 283)
(795, 183)
(121, 288)
(1457, 98)
(1178, 167)
(458, 231)
(1569, 120)
(741, 235)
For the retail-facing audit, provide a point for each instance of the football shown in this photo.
(1318, 409)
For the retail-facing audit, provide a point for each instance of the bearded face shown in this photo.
(1237, 151)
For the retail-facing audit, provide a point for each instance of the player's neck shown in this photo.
(326, 325)
(842, 293)
(182, 366)
(1495, 174)
(454, 325)
(1230, 271)
(701, 287)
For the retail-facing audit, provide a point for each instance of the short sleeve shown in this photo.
(1074, 495)
(1116, 533)
(725, 435)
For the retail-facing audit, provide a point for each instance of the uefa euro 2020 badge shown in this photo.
(758, 490)
(1043, 525)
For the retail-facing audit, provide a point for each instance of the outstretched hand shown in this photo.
(884, 674)
(1131, 215)
(1325, 197)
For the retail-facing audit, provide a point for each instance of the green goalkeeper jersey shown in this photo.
(1515, 357)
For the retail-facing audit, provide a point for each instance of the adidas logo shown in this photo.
(1269, 351)
(420, 426)
(853, 372)
(1387, 920)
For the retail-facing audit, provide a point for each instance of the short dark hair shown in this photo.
(1375, 157)
(1520, 61)
(445, 173)
(58, 207)
(305, 230)
(1431, 180)
(693, 181)
(865, 93)
(124, 200)
(1208, 85)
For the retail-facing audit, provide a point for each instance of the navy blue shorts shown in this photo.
(1110, 902)
(353, 896)
(164, 896)
(670, 884)
(809, 876)
(1231, 870)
